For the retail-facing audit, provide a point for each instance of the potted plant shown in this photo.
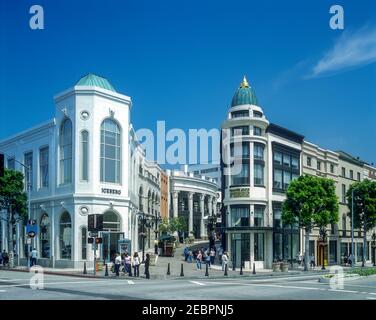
(284, 266)
(276, 266)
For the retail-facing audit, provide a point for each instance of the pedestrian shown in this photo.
(190, 256)
(117, 263)
(312, 261)
(34, 256)
(136, 265)
(300, 258)
(5, 257)
(128, 264)
(345, 258)
(212, 256)
(224, 260)
(199, 260)
(220, 253)
(147, 264)
(186, 250)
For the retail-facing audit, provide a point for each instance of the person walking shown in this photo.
(300, 258)
(147, 264)
(117, 263)
(220, 253)
(136, 265)
(186, 251)
(207, 258)
(312, 263)
(224, 260)
(190, 256)
(128, 264)
(5, 258)
(34, 256)
(212, 256)
(199, 260)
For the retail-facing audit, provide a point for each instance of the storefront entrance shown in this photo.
(322, 253)
(240, 249)
(110, 244)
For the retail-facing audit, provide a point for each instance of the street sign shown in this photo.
(31, 228)
(95, 222)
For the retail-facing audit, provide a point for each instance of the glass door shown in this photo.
(110, 245)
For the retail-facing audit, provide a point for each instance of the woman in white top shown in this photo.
(224, 260)
(136, 264)
(128, 264)
(117, 264)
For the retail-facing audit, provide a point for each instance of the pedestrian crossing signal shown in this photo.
(98, 240)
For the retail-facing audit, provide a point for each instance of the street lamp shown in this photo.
(211, 227)
(157, 219)
(374, 248)
(323, 244)
(145, 222)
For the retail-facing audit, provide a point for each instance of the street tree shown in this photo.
(311, 202)
(173, 225)
(364, 193)
(13, 199)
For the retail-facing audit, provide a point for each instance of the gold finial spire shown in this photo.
(245, 83)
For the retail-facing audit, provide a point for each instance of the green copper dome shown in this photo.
(244, 95)
(97, 81)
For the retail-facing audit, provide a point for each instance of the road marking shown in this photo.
(130, 282)
(199, 283)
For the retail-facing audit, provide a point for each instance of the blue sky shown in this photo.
(181, 61)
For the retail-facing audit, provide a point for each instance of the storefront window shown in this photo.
(259, 216)
(332, 251)
(277, 216)
(240, 248)
(65, 236)
(83, 243)
(259, 247)
(359, 251)
(45, 236)
(239, 216)
(278, 247)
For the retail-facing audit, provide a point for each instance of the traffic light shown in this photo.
(90, 240)
(98, 240)
(1, 165)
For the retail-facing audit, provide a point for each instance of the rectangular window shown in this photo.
(242, 131)
(257, 114)
(43, 168)
(277, 217)
(239, 216)
(258, 174)
(277, 158)
(257, 131)
(235, 150)
(294, 163)
(343, 193)
(351, 174)
(309, 161)
(258, 151)
(84, 156)
(11, 164)
(286, 160)
(259, 247)
(259, 216)
(28, 161)
(318, 165)
(242, 178)
(240, 114)
(331, 168)
(277, 183)
(358, 176)
(286, 179)
(343, 172)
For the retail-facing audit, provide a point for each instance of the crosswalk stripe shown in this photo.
(199, 283)
(130, 282)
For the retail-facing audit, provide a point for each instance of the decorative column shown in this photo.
(190, 209)
(214, 207)
(210, 205)
(202, 209)
(175, 197)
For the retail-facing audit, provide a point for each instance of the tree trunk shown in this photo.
(10, 231)
(306, 248)
(364, 245)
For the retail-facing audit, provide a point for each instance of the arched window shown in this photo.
(111, 221)
(84, 155)
(110, 151)
(66, 152)
(45, 236)
(83, 243)
(65, 236)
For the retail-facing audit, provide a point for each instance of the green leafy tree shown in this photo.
(13, 199)
(311, 202)
(173, 225)
(364, 208)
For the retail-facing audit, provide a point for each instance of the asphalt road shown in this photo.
(16, 286)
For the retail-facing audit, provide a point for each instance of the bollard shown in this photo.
(181, 271)
(106, 273)
(168, 269)
(226, 269)
(241, 269)
(254, 269)
(85, 272)
(207, 271)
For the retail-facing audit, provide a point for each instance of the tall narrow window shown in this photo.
(28, 161)
(343, 193)
(84, 155)
(11, 164)
(66, 152)
(259, 216)
(45, 236)
(43, 167)
(258, 157)
(65, 236)
(110, 151)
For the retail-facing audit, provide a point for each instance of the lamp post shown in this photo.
(374, 248)
(211, 221)
(323, 239)
(158, 219)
